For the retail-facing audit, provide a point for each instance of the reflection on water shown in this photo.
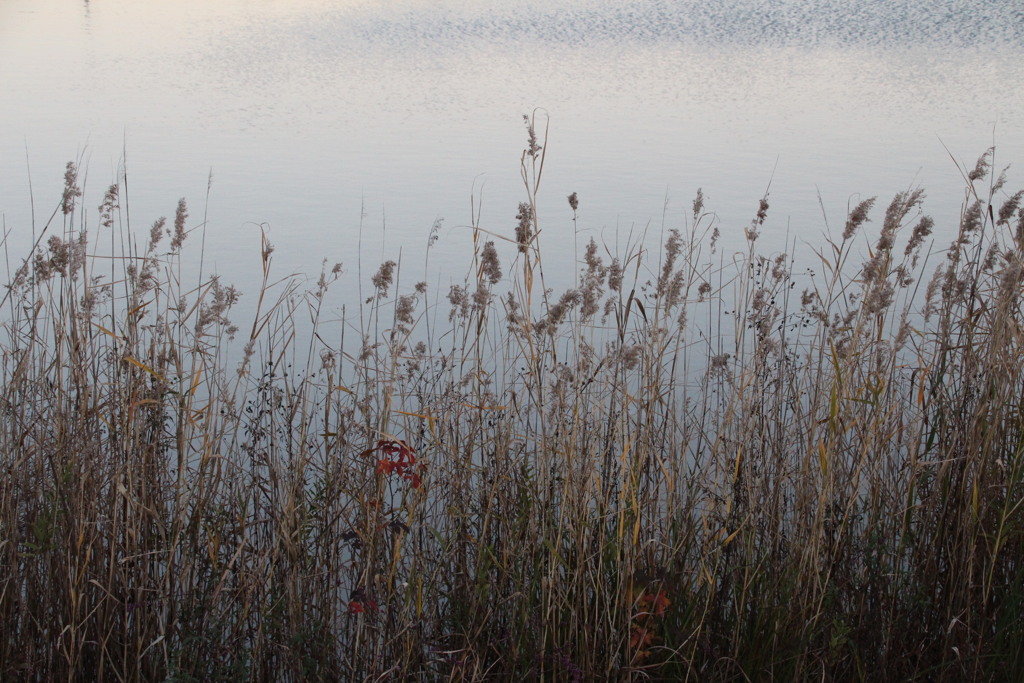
(319, 117)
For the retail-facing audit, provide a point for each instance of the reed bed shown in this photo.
(692, 464)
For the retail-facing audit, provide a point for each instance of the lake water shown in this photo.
(316, 117)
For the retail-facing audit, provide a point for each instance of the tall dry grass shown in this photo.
(692, 465)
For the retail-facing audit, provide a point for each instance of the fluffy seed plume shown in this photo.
(858, 217)
(524, 231)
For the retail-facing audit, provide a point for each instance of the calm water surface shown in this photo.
(327, 120)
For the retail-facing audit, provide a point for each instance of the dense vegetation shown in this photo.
(692, 465)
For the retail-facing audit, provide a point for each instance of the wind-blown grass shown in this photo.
(692, 465)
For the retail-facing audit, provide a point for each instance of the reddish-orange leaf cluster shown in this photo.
(358, 607)
(397, 458)
(650, 607)
(641, 637)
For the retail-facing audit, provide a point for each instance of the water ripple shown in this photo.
(808, 23)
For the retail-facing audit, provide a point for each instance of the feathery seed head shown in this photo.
(858, 217)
